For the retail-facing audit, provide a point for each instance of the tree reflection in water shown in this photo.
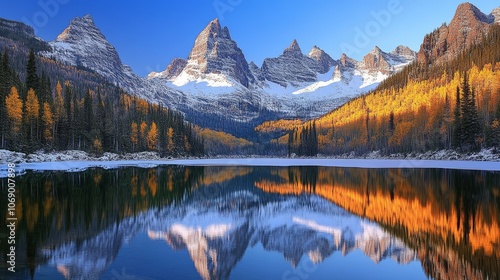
(449, 218)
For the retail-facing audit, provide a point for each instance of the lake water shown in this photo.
(294, 223)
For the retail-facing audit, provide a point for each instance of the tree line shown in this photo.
(35, 114)
(452, 105)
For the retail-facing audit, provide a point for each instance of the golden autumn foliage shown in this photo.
(32, 106)
(220, 141)
(276, 126)
(403, 204)
(14, 106)
(422, 113)
(152, 137)
(48, 123)
(134, 134)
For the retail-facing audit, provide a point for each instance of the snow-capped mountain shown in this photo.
(83, 44)
(216, 79)
(215, 58)
(290, 68)
(216, 73)
(217, 230)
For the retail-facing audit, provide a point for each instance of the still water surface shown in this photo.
(291, 223)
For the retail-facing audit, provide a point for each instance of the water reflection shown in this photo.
(78, 222)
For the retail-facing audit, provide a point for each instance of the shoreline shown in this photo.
(76, 161)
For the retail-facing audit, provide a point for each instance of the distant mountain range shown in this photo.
(217, 236)
(216, 78)
(217, 88)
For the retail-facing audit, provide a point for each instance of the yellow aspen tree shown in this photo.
(59, 103)
(14, 106)
(32, 111)
(152, 138)
(48, 123)
(134, 135)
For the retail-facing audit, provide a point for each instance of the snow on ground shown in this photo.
(74, 161)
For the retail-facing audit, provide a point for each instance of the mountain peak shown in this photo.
(214, 52)
(215, 24)
(88, 17)
(80, 27)
(293, 49)
(325, 61)
(495, 15)
(467, 27)
(468, 11)
(376, 50)
(404, 51)
(315, 52)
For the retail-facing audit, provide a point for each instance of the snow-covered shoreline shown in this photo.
(73, 161)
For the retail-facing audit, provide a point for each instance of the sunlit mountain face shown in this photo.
(212, 222)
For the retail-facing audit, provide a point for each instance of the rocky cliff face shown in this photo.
(82, 44)
(214, 52)
(387, 63)
(324, 61)
(466, 28)
(173, 70)
(14, 31)
(218, 230)
(292, 67)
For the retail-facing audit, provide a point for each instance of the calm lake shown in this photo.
(295, 223)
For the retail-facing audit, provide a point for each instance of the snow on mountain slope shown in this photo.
(217, 231)
(83, 44)
(216, 79)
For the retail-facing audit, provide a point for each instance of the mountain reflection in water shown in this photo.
(447, 220)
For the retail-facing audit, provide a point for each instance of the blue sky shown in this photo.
(149, 34)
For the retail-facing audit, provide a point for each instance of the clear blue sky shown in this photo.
(149, 34)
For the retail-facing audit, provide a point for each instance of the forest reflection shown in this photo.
(451, 218)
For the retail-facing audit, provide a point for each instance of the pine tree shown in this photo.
(170, 140)
(88, 115)
(290, 143)
(392, 125)
(32, 80)
(457, 123)
(470, 119)
(446, 127)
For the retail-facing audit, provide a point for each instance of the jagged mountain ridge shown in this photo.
(467, 27)
(216, 235)
(289, 85)
(83, 44)
(216, 81)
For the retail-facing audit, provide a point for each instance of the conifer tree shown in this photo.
(457, 122)
(32, 80)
